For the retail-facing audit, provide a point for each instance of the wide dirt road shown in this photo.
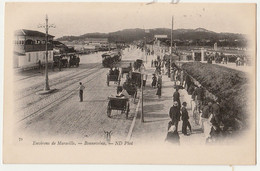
(61, 115)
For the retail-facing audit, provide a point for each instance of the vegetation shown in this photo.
(230, 85)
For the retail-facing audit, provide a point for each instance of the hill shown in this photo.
(199, 35)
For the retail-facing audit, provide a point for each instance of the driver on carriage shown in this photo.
(121, 92)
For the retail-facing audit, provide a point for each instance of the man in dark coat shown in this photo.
(188, 81)
(176, 97)
(185, 119)
(175, 114)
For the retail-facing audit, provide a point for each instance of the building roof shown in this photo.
(24, 32)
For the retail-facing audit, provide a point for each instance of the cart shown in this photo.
(115, 78)
(118, 103)
(136, 78)
(126, 70)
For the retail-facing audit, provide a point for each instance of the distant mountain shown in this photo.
(130, 35)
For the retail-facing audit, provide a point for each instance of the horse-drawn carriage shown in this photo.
(74, 60)
(136, 79)
(118, 103)
(60, 61)
(126, 70)
(113, 76)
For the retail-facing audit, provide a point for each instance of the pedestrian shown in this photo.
(181, 77)
(215, 110)
(152, 63)
(185, 119)
(175, 114)
(176, 97)
(159, 78)
(159, 90)
(205, 124)
(215, 134)
(199, 96)
(154, 81)
(81, 88)
(188, 82)
(144, 79)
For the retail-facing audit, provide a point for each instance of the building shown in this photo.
(96, 41)
(30, 48)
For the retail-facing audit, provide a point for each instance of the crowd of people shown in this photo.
(206, 113)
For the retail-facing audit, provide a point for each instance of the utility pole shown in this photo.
(142, 95)
(46, 26)
(46, 86)
(171, 45)
(171, 36)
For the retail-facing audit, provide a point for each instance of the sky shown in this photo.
(80, 18)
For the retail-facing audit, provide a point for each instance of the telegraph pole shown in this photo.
(171, 45)
(171, 36)
(46, 26)
(46, 86)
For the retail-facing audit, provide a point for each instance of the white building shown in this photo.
(30, 48)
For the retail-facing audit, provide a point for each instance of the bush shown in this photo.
(230, 85)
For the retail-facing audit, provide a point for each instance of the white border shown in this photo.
(117, 167)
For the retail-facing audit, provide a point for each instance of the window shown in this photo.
(43, 42)
(37, 42)
(29, 42)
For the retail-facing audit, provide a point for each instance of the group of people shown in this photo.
(206, 113)
(157, 82)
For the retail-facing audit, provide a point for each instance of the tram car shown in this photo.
(110, 58)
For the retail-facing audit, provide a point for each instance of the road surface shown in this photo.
(60, 114)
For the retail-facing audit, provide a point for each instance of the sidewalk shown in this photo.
(156, 113)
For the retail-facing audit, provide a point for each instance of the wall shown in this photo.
(31, 59)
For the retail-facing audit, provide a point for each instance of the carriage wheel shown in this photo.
(108, 111)
(107, 80)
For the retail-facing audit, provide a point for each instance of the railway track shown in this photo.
(59, 99)
(55, 82)
(61, 88)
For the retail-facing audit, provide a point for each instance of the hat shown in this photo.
(175, 103)
(184, 103)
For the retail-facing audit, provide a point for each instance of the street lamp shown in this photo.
(46, 26)
(142, 95)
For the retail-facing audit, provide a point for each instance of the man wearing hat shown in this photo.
(175, 114)
(176, 97)
(185, 119)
